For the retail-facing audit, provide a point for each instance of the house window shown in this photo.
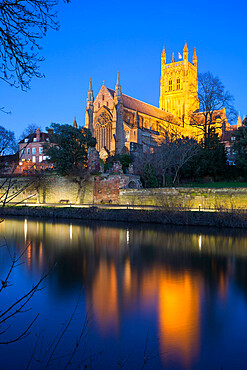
(34, 159)
(170, 85)
(107, 103)
(178, 83)
(98, 105)
(28, 151)
(34, 139)
(33, 150)
(40, 150)
(40, 158)
(103, 97)
(26, 140)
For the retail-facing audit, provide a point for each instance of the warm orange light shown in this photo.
(179, 310)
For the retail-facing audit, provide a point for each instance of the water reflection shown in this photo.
(170, 281)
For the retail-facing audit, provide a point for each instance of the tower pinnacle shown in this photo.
(194, 60)
(90, 97)
(118, 87)
(163, 55)
(75, 123)
(185, 51)
(239, 122)
(173, 60)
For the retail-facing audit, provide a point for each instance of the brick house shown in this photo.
(31, 147)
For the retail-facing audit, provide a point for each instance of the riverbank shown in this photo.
(234, 219)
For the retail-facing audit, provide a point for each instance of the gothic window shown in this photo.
(178, 83)
(107, 103)
(103, 97)
(103, 130)
(170, 85)
(98, 105)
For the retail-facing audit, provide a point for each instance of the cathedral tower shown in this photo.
(179, 85)
(89, 109)
(117, 143)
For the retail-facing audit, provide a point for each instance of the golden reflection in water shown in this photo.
(179, 316)
(200, 242)
(25, 230)
(40, 254)
(29, 255)
(127, 277)
(105, 297)
(223, 285)
(70, 232)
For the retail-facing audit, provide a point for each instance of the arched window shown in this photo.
(103, 97)
(178, 83)
(98, 105)
(170, 85)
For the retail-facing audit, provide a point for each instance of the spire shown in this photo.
(118, 87)
(90, 92)
(136, 119)
(75, 123)
(163, 51)
(239, 122)
(194, 60)
(185, 46)
(163, 55)
(173, 60)
(185, 51)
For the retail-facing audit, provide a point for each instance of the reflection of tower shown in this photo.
(179, 311)
(105, 297)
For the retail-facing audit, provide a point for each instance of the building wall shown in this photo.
(229, 198)
(52, 189)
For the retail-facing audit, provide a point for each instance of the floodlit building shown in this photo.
(122, 124)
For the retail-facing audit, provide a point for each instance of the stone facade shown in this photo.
(178, 84)
(122, 124)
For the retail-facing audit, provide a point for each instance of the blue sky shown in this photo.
(96, 39)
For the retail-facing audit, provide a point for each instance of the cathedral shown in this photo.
(122, 124)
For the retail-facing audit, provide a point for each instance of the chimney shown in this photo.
(37, 132)
(50, 131)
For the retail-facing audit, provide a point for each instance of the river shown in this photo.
(150, 296)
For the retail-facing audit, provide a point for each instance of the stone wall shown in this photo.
(50, 189)
(230, 198)
(113, 189)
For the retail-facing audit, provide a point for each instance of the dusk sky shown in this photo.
(98, 38)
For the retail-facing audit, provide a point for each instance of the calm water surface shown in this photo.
(178, 295)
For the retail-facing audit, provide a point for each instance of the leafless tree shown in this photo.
(30, 129)
(215, 105)
(168, 158)
(23, 23)
(7, 142)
